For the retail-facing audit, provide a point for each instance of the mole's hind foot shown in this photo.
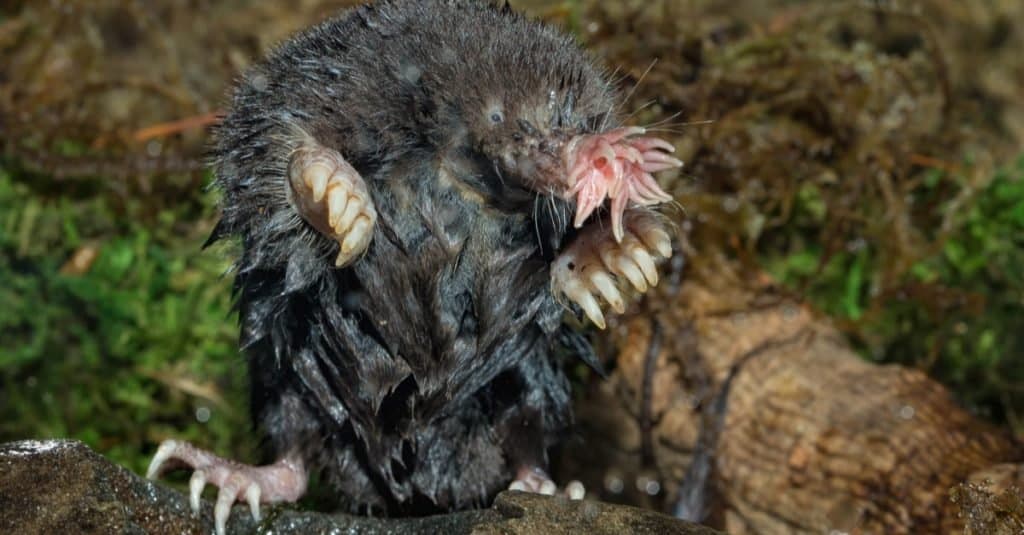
(537, 481)
(331, 195)
(595, 260)
(283, 481)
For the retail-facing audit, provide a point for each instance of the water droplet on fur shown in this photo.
(259, 82)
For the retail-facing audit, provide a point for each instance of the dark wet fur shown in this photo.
(422, 376)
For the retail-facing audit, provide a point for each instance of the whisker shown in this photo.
(615, 107)
(663, 124)
(558, 214)
(551, 213)
(536, 226)
(497, 171)
(639, 81)
(640, 109)
(664, 121)
(615, 77)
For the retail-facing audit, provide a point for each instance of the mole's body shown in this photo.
(410, 365)
(403, 179)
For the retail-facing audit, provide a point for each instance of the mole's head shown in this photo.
(552, 132)
(541, 114)
(526, 139)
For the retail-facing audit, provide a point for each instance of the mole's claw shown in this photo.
(337, 201)
(332, 197)
(195, 489)
(162, 454)
(360, 231)
(316, 176)
(353, 209)
(588, 303)
(252, 496)
(596, 259)
(627, 268)
(606, 286)
(663, 244)
(548, 488)
(222, 510)
(653, 235)
(644, 260)
(575, 490)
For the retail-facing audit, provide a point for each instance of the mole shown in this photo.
(421, 189)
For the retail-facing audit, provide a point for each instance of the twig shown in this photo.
(173, 127)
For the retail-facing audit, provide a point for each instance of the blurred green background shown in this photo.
(893, 201)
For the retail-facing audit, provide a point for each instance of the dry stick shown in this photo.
(646, 418)
(694, 501)
(173, 127)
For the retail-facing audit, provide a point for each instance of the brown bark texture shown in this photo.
(761, 416)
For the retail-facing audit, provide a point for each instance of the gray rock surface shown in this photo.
(61, 486)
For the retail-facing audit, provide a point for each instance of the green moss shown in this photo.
(957, 312)
(122, 353)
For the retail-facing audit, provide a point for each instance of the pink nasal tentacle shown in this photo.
(618, 209)
(617, 166)
(647, 143)
(591, 193)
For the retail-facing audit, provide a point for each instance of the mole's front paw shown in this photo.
(595, 260)
(283, 481)
(331, 195)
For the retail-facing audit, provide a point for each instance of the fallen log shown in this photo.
(732, 401)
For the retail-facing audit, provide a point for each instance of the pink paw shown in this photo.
(283, 481)
(537, 481)
(618, 166)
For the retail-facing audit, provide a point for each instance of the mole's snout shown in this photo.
(618, 166)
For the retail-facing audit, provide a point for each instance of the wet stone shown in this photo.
(61, 486)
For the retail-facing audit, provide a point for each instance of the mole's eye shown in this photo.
(497, 117)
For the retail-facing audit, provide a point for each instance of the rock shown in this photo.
(61, 486)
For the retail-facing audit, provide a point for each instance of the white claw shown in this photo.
(662, 243)
(225, 498)
(517, 485)
(646, 263)
(316, 176)
(606, 286)
(252, 495)
(352, 209)
(628, 269)
(590, 307)
(355, 234)
(548, 487)
(162, 454)
(336, 204)
(575, 490)
(195, 489)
